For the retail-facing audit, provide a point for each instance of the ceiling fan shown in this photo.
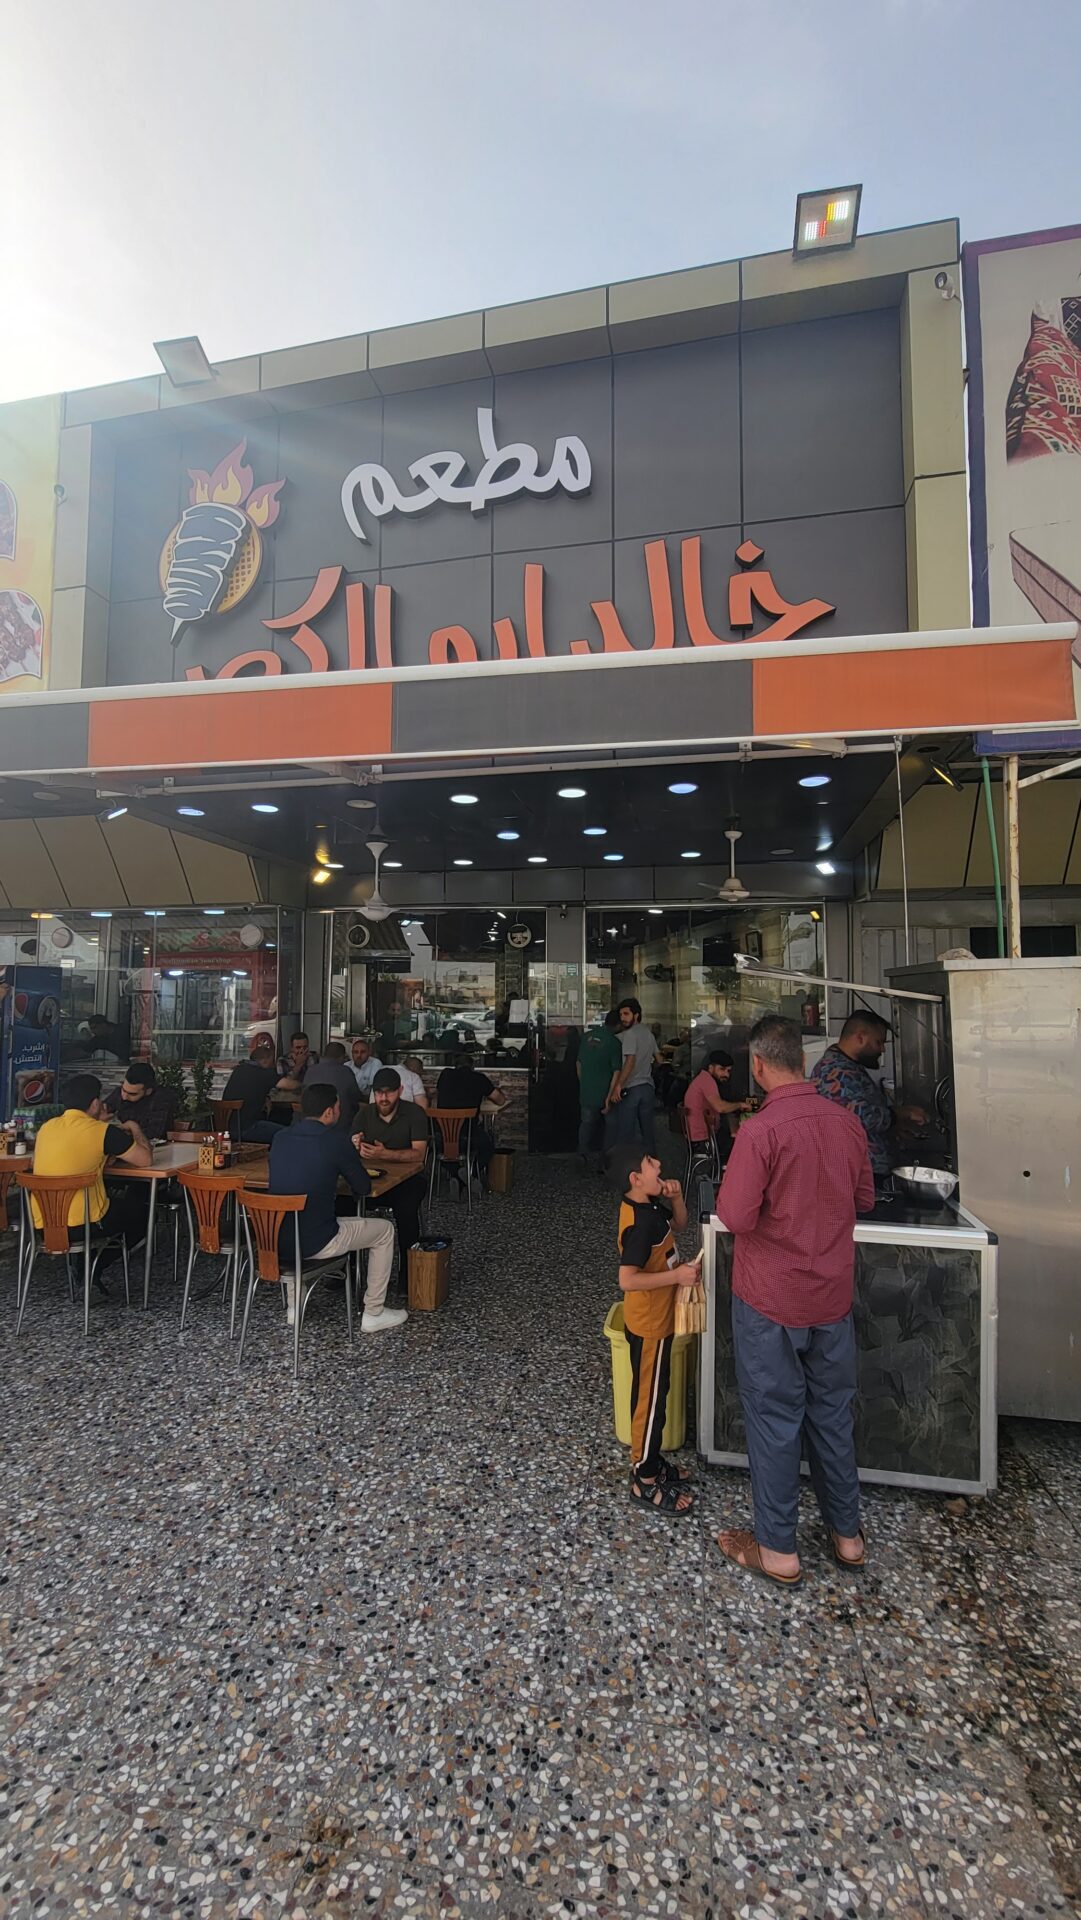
(375, 907)
(733, 890)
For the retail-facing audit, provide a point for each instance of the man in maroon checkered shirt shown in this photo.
(798, 1174)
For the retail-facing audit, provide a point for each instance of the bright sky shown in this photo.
(266, 172)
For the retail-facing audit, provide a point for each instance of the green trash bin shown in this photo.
(675, 1425)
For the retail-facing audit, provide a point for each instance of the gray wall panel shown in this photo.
(677, 438)
(315, 452)
(434, 420)
(538, 407)
(822, 417)
(42, 737)
(573, 578)
(855, 560)
(447, 593)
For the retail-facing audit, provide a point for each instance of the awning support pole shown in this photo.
(995, 868)
(904, 856)
(1013, 857)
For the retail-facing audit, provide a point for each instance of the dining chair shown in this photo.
(264, 1215)
(702, 1156)
(56, 1194)
(205, 1195)
(6, 1179)
(224, 1114)
(452, 1145)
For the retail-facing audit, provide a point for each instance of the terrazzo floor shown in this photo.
(393, 1641)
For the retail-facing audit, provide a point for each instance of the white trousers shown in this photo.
(378, 1237)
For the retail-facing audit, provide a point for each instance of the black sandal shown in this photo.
(673, 1475)
(660, 1497)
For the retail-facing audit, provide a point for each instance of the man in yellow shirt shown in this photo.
(81, 1140)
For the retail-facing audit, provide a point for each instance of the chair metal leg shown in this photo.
(71, 1277)
(125, 1256)
(298, 1306)
(86, 1265)
(176, 1243)
(26, 1284)
(248, 1262)
(350, 1281)
(191, 1260)
(253, 1281)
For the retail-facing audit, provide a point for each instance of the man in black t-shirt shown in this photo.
(463, 1086)
(392, 1132)
(251, 1082)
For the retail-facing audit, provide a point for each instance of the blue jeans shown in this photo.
(636, 1117)
(594, 1132)
(797, 1385)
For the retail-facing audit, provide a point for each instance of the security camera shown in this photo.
(60, 493)
(945, 286)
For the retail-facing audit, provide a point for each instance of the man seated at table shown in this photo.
(310, 1158)
(252, 1081)
(334, 1070)
(392, 1132)
(366, 1065)
(463, 1085)
(140, 1098)
(706, 1109)
(81, 1140)
(293, 1065)
(411, 1074)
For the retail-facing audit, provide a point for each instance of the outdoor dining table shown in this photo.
(166, 1162)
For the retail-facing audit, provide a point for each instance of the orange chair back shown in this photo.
(266, 1213)
(222, 1112)
(5, 1182)
(54, 1193)
(450, 1121)
(207, 1193)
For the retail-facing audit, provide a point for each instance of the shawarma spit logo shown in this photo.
(212, 557)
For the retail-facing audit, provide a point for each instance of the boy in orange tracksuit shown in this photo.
(649, 1273)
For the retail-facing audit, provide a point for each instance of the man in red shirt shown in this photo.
(798, 1174)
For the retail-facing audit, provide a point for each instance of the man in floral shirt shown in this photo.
(842, 1075)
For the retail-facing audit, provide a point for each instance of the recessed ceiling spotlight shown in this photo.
(613, 856)
(154, 913)
(333, 866)
(825, 866)
(683, 786)
(690, 856)
(654, 910)
(366, 805)
(507, 834)
(392, 863)
(538, 859)
(594, 833)
(778, 851)
(815, 780)
(113, 813)
(213, 913)
(192, 813)
(176, 973)
(572, 793)
(463, 863)
(464, 799)
(101, 915)
(263, 806)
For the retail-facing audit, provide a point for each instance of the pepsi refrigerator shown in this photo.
(29, 1039)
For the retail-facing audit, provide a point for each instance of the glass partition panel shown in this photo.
(438, 983)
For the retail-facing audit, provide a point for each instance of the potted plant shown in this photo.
(202, 1085)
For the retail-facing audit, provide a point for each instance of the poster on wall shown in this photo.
(29, 1038)
(1023, 329)
(29, 457)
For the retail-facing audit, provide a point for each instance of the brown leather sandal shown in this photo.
(853, 1566)
(745, 1543)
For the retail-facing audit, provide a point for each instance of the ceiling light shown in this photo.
(826, 221)
(594, 833)
(572, 793)
(176, 973)
(499, 914)
(815, 915)
(184, 361)
(113, 813)
(683, 786)
(690, 856)
(778, 852)
(948, 778)
(825, 866)
(538, 859)
(406, 923)
(654, 910)
(41, 916)
(102, 914)
(392, 863)
(154, 913)
(37, 795)
(213, 912)
(320, 876)
(815, 780)
(463, 863)
(613, 856)
(367, 805)
(263, 806)
(507, 834)
(333, 866)
(192, 813)
(612, 930)
(464, 799)
(239, 973)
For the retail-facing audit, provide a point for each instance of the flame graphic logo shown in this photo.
(212, 557)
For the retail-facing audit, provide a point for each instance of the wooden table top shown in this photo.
(178, 1158)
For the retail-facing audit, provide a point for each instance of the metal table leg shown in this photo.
(149, 1244)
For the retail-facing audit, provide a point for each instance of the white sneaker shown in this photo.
(382, 1321)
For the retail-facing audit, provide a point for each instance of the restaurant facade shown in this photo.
(548, 601)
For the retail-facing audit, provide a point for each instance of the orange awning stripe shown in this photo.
(299, 723)
(1002, 685)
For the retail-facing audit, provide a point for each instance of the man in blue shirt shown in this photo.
(843, 1074)
(310, 1157)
